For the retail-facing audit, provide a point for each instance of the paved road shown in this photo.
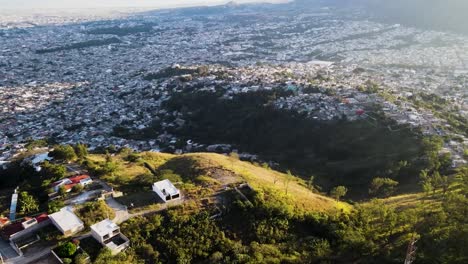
(83, 197)
(121, 213)
(29, 259)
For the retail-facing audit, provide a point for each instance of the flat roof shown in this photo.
(66, 219)
(104, 227)
(167, 186)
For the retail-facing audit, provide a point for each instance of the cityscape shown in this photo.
(137, 81)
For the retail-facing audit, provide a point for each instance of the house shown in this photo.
(68, 183)
(19, 229)
(66, 221)
(63, 182)
(81, 179)
(108, 234)
(166, 190)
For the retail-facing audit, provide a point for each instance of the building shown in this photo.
(20, 229)
(166, 190)
(108, 234)
(66, 221)
(68, 183)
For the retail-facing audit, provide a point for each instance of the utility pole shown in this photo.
(411, 251)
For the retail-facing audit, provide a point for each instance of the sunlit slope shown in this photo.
(273, 184)
(224, 170)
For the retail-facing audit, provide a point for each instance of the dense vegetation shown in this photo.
(263, 231)
(338, 152)
(94, 212)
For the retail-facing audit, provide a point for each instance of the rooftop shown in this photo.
(167, 186)
(66, 219)
(104, 227)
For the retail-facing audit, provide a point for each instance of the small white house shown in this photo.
(166, 190)
(66, 221)
(108, 234)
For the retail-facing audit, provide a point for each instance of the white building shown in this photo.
(66, 221)
(108, 234)
(166, 190)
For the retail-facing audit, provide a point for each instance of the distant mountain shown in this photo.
(431, 14)
(428, 14)
(232, 4)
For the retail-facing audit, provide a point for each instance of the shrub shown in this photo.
(82, 258)
(54, 206)
(94, 212)
(66, 250)
(77, 188)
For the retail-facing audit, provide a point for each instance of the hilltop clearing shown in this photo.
(210, 172)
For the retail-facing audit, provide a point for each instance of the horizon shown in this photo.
(115, 4)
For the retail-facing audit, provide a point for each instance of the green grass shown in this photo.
(271, 182)
(205, 173)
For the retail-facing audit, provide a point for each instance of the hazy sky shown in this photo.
(26, 4)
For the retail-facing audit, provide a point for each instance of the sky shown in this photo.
(52, 4)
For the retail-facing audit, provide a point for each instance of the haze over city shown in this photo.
(54, 4)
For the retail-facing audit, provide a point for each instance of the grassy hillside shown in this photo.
(212, 172)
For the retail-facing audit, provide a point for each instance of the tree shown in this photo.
(287, 180)
(382, 186)
(445, 184)
(436, 180)
(53, 171)
(62, 191)
(132, 157)
(425, 181)
(28, 203)
(77, 188)
(310, 183)
(427, 187)
(338, 192)
(81, 150)
(64, 152)
(54, 206)
(66, 250)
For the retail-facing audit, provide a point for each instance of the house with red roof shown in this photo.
(29, 224)
(68, 183)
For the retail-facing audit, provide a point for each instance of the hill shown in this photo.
(212, 172)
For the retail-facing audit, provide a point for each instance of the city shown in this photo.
(112, 105)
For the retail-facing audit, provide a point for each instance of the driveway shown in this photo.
(84, 197)
(121, 213)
